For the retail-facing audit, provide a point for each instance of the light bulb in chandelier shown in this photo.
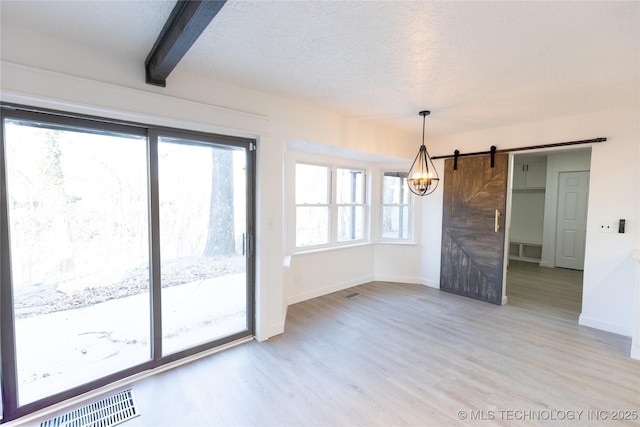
(423, 177)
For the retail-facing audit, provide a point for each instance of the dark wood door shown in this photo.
(472, 248)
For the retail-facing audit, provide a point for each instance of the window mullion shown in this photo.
(401, 212)
(401, 221)
(333, 206)
(366, 220)
(352, 211)
(154, 248)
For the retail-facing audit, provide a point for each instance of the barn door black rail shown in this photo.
(456, 154)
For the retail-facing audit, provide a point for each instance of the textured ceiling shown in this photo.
(473, 64)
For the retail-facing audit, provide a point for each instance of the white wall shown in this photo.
(394, 262)
(527, 216)
(609, 274)
(431, 237)
(610, 277)
(41, 71)
(322, 272)
(635, 342)
(44, 72)
(312, 272)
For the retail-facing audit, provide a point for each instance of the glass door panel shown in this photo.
(202, 197)
(78, 229)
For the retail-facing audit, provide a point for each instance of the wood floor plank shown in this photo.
(402, 354)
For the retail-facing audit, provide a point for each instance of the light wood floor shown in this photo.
(402, 354)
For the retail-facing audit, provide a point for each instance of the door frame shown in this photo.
(11, 409)
(553, 150)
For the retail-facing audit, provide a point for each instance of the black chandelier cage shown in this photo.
(423, 177)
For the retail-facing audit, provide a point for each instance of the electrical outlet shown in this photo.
(606, 228)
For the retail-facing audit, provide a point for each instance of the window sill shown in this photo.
(335, 247)
(351, 246)
(397, 242)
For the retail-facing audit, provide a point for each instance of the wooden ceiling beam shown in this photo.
(187, 21)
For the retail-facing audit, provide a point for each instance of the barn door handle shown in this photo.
(497, 223)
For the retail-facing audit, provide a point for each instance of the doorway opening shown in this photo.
(547, 229)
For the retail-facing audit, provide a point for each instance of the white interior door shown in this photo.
(573, 194)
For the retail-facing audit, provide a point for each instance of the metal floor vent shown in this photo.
(107, 412)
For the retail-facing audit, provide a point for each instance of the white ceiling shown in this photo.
(473, 64)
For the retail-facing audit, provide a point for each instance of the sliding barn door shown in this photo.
(473, 227)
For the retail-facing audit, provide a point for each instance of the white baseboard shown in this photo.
(431, 284)
(272, 331)
(341, 286)
(412, 280)
(399, 279)
(635, 349)
(603, 325)
(327, 290)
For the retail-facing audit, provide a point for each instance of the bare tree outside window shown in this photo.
(79, 241)
(220, 237)
(202, 220)
(78, 205)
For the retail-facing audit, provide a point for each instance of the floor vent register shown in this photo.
(107, 412)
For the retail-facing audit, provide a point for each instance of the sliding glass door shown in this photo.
(203, 243)
(123, 247)
(77, 207)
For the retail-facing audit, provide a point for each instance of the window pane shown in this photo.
(395, 222)
(350, 186)
(394, 188)
(350, 223)
(312, 185)
(202, 191)
(79, 254)
(312, 225)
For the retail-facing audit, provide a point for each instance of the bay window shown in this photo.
(330, 205)
(396, 206)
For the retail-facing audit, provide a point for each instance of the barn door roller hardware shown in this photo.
(187, 21)
(494, 150)
(456, 154)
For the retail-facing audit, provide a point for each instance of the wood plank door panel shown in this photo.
(472, 250)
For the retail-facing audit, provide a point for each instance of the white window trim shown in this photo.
(365, 204)
(330, 193)
(295, 157)
(411, 238)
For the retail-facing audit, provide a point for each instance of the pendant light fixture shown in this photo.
(423, 177)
